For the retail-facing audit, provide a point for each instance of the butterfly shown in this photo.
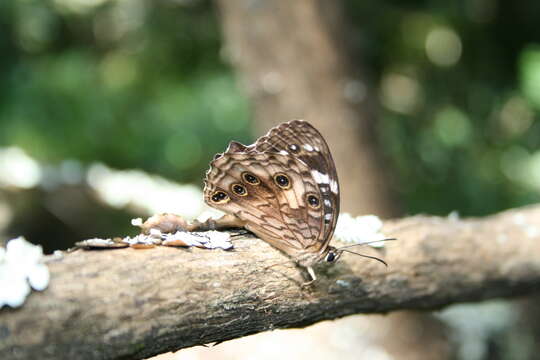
(284, 188)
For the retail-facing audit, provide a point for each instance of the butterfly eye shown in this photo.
(330, 257)
(282, 181)
(250, 178)
(313, 201)
(220, 197)
(239, 189)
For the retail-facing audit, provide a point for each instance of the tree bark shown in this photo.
(126, 303)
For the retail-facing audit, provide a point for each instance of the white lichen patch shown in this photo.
(359, 230)
(206, 239)
(21, 269)
(97, 243)
(144, 240)
(155, 232)
(218, 240)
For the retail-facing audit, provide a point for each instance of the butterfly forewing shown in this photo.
(299, 139)
(284, 187)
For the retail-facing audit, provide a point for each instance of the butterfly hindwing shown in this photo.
(300, 139)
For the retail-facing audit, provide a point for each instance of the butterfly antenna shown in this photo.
(367, 256)
(239, 233)
(366, 243)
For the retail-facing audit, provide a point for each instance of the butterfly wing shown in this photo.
(300, 139)
(298, 218)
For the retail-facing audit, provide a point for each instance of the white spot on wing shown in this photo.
(320, 178)
(327, 202)
(283, 152)
(328, 216)
(308, 147)
(334, 186)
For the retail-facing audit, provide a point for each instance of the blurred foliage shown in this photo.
(140, 84)
(460, 99)
(131, 83)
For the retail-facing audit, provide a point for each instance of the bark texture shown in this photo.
(126, 303)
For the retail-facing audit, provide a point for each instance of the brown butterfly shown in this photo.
(284, 188)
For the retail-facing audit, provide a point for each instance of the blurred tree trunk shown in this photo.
(293, 63)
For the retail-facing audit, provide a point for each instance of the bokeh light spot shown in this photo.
(400, 93)
(452, 126)
(443, 46)
(515, 116)
(118, 70)
(17, 169)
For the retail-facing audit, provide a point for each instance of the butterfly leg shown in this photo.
(311, 273)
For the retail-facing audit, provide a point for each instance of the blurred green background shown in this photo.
(143, 85)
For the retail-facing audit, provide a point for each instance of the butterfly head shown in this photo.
(332, 255)
(328, 256)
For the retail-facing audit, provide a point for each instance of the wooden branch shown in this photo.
(128, 304)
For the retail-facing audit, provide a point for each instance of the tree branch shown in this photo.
(126, 303)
